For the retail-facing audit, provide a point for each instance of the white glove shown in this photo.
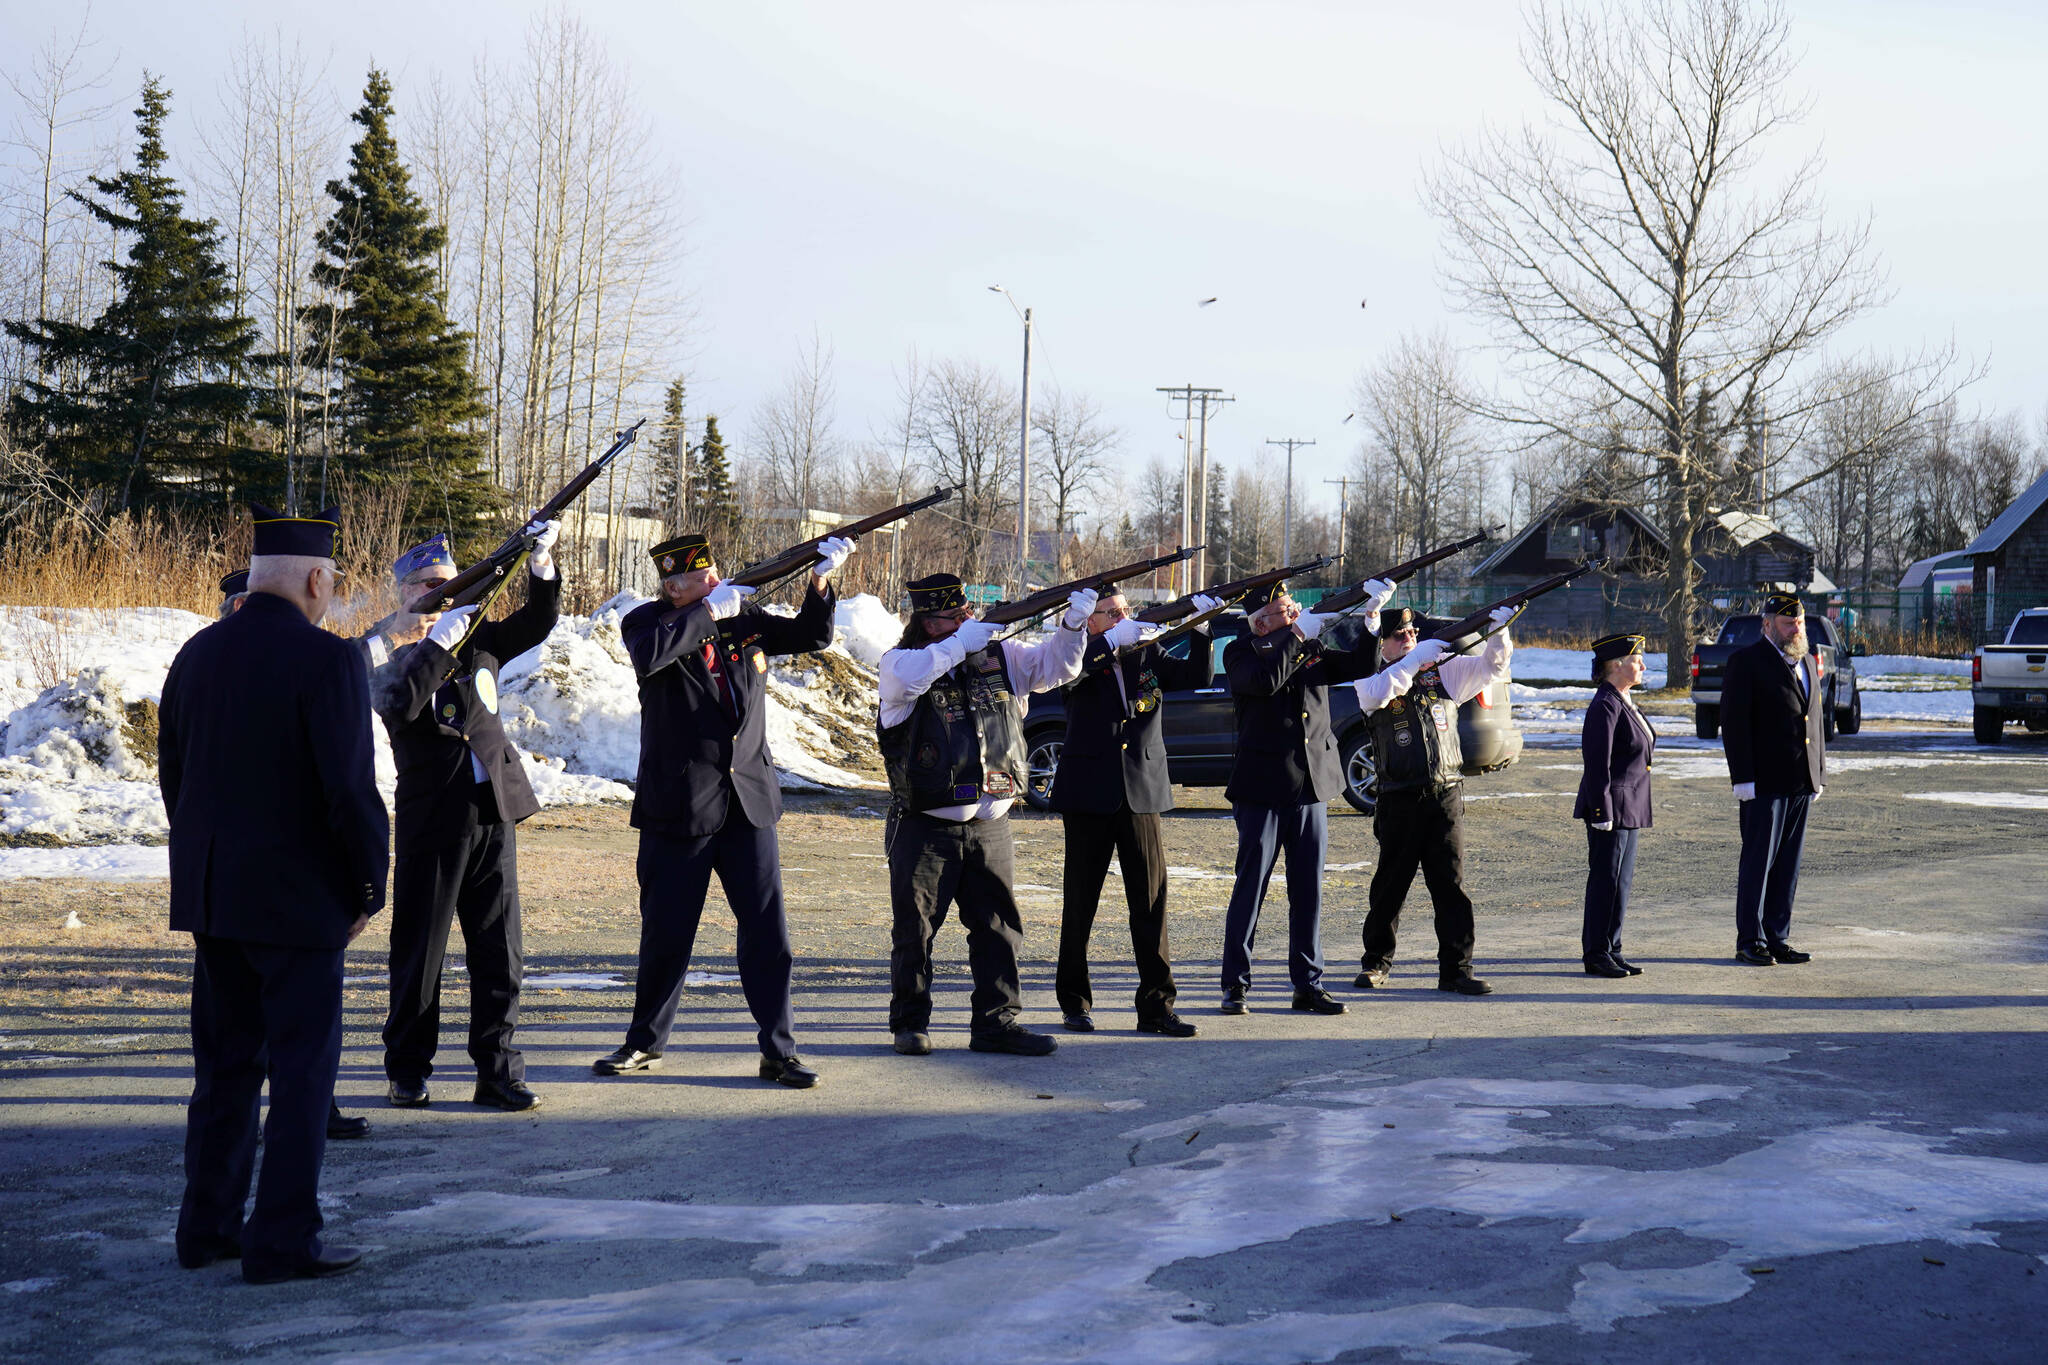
(726, 600)
(1203, 602)
(1425, 654)
(1378, 592)
(1130, 631)
(832, 552)
(1080, 606)
(1604, 826)
(1745, 791)
(975, 634)
(454, 623)
(1817, 795)
(1500, 616)
(541, 537)
(1310, 624)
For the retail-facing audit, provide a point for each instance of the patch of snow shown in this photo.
(1713, 1052)
(2033, 800)
(97, 862)
(864, 628)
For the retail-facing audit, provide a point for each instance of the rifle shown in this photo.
(1346, 598)
(1181, 610)
(1047, 599)
(1477, 624)
(805, 553)
(489, 575)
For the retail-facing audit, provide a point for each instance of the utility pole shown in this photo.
(1343, 518)
(1190, 521)
(1024, 466)
(1287, 511)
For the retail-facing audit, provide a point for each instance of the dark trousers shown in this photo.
(1133, 836)
(934, 864)
(1263, 832)
(1610, 873)
(1773, 836)
(675, 875)
(257, 1011)
(474, 879)
(1425, 830)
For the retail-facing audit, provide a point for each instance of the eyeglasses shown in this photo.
(1409, 633)
(1113, 613)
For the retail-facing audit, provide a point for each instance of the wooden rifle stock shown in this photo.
(805, 553)
(1346, 598)
(1164, 613)
(1478, 624)
(480, 578)
(1046, 599)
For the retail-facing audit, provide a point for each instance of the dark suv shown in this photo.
(1200, 726)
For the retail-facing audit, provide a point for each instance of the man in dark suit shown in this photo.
(1110, 789)
(707, 798)
(1281, 780)
(462, 792)
(278, 859)
(1771, 713)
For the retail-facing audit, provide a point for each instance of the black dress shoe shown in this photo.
(1233, 1001)
(1786, 953)
(342, 1127)
(1750, 957)
(1464, 984)
(408, 1095)
(1605, 966)
(1078, 1023)
(1172, 1025)
(624, 1060)
(327, 1261)
(1316, 1000)
(201, 1252)
(1631, 968)
(1019, 1042)
(789, 1071)
(914, 1042)
(510, 1096)
(1372, 978)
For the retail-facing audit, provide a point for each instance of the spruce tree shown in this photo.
(1221, 556)
(403, 401)
(714, 503)
(142, 405)
(671, 458)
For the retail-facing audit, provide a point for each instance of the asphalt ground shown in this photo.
(1843, 1160)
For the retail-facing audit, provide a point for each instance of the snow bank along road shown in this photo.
(1704, 1162)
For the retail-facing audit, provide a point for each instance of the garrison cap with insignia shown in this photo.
(682, 554)
(1610, 647)
(937, 592)
(1394, 620)
(1784, 604)
(278, 534)
(431, 553)
(235, 584)
(1259, 597)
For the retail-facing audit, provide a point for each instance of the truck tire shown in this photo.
(1354, 758)
(1706, 721)
(1041, 761)
(1988, 724)
(1827, 719)
(1850, 720)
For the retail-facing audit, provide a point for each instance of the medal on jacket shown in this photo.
(486, 690)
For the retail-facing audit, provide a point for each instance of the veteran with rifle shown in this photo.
(952, 735)
(1411, 705)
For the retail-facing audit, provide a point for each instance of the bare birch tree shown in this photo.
(1070, 453)
(966, 433)
(793, 434)
(1423, 439)
(1638, 272)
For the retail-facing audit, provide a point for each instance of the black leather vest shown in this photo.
(963, 740)
(1415, 739)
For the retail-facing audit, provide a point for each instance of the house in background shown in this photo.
(1935, 592)
(1743, 556)
(2010, 562)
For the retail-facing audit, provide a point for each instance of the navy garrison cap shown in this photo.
(682, 554)
(430, 553)
(311, 536)
(1394, 620)
(937, 592)
(1784, 604)
(234, 584)
(1611, 647)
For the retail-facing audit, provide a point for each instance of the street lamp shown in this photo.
(1023, 443)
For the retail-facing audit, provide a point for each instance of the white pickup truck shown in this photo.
(2010, 681)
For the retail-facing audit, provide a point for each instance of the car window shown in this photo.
(1820, 630)
(2030, 630)
(1741, 630)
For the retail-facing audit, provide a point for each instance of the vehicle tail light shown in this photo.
(1976, 668)
(1695, 665)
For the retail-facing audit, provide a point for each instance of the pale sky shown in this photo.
(867, 170)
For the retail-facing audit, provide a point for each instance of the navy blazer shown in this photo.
(1280, 686)
(1114, 755)
(278, 835)
(1617, 744)
(1770, 727)
(695, 755)
(436, 717)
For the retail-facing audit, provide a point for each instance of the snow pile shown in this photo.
(78, 764)
(574, 700)
(864, 628)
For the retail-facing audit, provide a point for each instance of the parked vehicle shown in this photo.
(1837, 674)
(1201, 726)
(2009, 681)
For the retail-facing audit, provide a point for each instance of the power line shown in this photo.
(1287, 514)
(1194, 487)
